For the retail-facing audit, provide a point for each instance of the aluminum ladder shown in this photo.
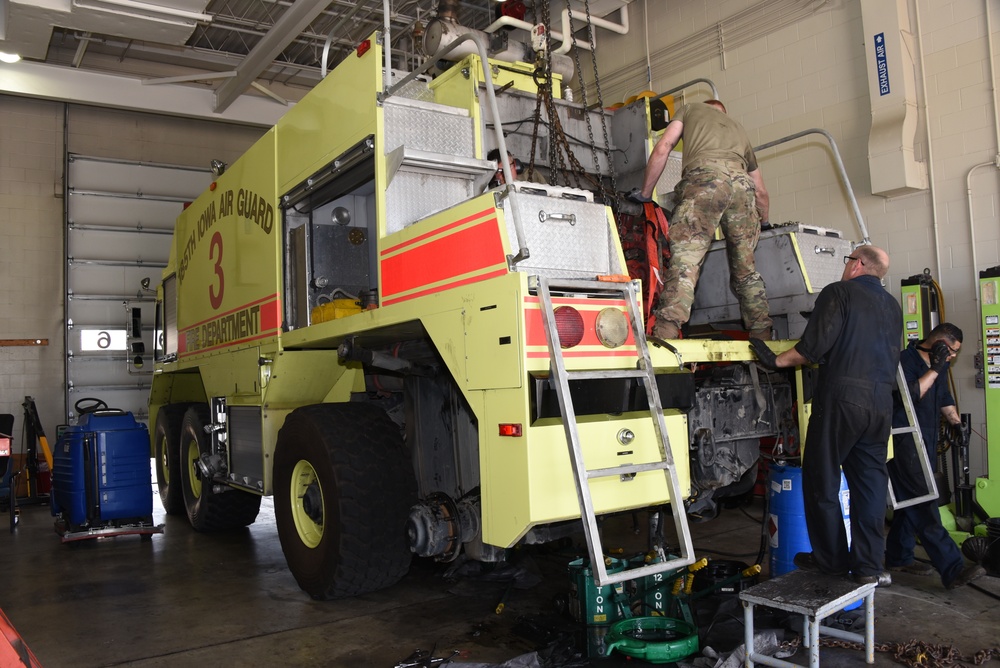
(645, 372)
(918, 441)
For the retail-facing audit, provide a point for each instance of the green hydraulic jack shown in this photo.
(669, 631)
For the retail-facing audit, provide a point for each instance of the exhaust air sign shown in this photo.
(880, 64)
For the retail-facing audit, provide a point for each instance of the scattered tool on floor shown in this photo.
(421, 658)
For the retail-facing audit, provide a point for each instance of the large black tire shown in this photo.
(167, 453)
(207, 510)
(343, 488)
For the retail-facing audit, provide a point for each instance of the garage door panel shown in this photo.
(120, 176)
(102, 245)
(101, 314)
(89, 279)
(118, 223)
(128, 213)
(126, 398)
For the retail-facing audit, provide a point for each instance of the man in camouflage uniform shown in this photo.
(721, 184)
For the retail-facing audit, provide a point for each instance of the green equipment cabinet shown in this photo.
(988, 488)
(919, 298)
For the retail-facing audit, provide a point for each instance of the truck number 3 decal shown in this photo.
(215, 295)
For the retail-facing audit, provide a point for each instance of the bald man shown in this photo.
(854, 335)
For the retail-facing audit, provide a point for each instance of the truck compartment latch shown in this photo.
(564, 217)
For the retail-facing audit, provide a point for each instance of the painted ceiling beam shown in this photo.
(295, 19)
(50, 82)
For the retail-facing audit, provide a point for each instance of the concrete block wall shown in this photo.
(35, 136)
(814, 74)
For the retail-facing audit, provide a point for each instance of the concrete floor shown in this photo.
(186, 599)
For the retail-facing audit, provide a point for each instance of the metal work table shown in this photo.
(814, 596)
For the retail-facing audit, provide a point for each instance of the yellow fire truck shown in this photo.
(412, 362)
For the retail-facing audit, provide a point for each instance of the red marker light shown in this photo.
(363, 47)
(510, 429)
(569, 324)
(213, 186)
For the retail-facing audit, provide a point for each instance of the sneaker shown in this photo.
(805, 561)
(882, 579)
(913, 568)
(665, 330)
(968, 574)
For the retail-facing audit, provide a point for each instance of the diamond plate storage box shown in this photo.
(796, 262)
(101, 471)
(568, 236)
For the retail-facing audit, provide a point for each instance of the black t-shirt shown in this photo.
(854, 332)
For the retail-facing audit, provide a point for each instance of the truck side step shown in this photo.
(645, 372)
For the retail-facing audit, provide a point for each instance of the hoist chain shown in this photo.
(914, 653)
(600, 103)
(541, 81)
(560, 152)
(543, 76)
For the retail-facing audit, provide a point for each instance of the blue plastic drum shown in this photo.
(787, 521)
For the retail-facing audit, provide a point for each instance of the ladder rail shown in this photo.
(918, 442)
(656, 406)
(580, 472)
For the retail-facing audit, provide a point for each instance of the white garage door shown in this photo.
(119, 220)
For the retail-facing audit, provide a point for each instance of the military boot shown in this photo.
(762, 334)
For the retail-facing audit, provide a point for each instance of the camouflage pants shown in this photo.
(710, 195)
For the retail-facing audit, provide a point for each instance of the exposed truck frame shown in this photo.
(351, 322)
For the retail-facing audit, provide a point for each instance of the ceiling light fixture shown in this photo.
(9, 57)
(145, 10)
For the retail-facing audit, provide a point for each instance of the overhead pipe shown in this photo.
(511, 22)
(996, 158)
(930, 142)
(711, 84)
(972, 226)
(567, 40)
(840, 171)
(386, 46)
(448, 10)
(993, 79)
(329, 38)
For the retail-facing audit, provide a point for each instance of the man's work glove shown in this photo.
(635, 195)
(765, 355)
(939, 356)
(957, 434)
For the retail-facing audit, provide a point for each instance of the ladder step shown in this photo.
(642, 369)
(904, 430)
(627, 469)
(606, 373)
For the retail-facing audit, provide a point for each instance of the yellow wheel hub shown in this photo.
(307, 504)
(193, 453)
(162, 463)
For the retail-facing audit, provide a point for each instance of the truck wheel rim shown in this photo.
(194, 452)
(162, 462)
(305, 485)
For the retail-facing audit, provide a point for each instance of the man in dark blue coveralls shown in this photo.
(854, 334)
(925, 366)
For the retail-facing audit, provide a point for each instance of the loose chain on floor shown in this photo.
(915, 653)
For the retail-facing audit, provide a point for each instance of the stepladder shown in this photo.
(639, 369)
(920, 456)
